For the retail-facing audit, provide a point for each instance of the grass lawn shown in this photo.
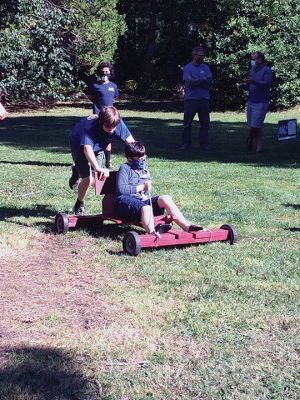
(81, 320)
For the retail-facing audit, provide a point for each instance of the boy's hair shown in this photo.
(109, 116)
(105, 64)
(135, 149)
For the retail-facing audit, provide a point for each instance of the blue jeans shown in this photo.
(191, 108)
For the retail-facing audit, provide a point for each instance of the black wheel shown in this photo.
(132, 243)
(61, 224)
(233, 233)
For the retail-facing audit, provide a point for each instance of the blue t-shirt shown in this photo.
(259, 90)
(89, 132)
(104, 94)
(200, 89)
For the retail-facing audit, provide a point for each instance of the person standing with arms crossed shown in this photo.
(197, 79)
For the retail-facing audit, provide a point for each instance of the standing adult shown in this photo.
(103, 92)
(197, 79)
(90, 137)
(258, 84)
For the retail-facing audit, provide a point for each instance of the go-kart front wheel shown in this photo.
(232, 233)
(61, 224)
(132, 243)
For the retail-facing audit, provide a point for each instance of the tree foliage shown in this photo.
(45, 44)
(34, 64)
(94, 29)
(161, 35)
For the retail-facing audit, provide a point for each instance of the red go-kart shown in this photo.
(133, 242)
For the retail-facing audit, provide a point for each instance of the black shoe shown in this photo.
(163, 228)
(184, 147)
(205, 147)
(195, 228)
(74, 179)
(78, 209)
(109, 165)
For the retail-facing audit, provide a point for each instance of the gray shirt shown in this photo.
(197, 80)
(128, 179)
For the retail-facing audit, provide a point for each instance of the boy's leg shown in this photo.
(147, 219)
(107, 153)
(74, 178)
(83, 187)
(84, 170)
(168, 204)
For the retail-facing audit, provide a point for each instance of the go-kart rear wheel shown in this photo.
(132, 243)
(61, 224)
(233, 233)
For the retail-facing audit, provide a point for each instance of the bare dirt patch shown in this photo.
(50, 285)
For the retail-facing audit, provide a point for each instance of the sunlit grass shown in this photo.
(199, 322)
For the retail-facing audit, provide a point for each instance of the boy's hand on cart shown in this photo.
(102, 173)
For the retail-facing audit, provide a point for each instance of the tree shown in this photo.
(94, 29)
(34, 63)
(161, 35)
(45, 45)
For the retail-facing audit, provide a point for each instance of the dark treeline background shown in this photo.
(49, 48)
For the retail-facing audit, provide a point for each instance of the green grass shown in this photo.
(202, 322)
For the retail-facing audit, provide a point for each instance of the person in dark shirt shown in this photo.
(103, 92)
(197, 79)
(258, 85)
(90, 137)
(133, 194)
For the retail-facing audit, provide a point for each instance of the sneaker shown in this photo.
(109, 165)
(78, 209)
(74, 179)
(184, 147)
(163, 228)
(195, 228)
(205, 147)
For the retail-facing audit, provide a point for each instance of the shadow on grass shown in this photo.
(139, 104)
(294, 229)
(295, 206)
(41, 373)
(161, 136)
(39, 210)
(113, 232)
(37, 163)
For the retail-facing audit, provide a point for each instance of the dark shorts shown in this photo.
(129, 208)
(82, 165)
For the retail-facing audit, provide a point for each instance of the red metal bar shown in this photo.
(84, 221)
(175, 238)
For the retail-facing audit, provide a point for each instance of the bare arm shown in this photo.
(130, 139)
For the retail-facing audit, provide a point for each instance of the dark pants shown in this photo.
(191, 108)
